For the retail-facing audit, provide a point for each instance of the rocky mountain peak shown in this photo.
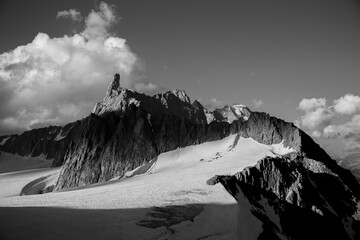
(196, 104)
(241, 111)
(229, 113)
(181, 94)
(114, 85)
(175, 102)
(117, 99)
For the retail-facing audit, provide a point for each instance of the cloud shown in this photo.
(347, 105)
(316, 134)
(352, 141)
(348, 130)
(58, 80)
(257, 103)
(317, 114)
(98, 23)
(311, 104)
(145, 87)
(72, 13)
(319, 119)
(212, 104)
(216, 103)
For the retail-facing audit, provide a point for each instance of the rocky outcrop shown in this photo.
(295, 197)
(229, 113)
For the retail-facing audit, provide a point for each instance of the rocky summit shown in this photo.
(299, 194)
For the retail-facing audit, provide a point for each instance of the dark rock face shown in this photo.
(302, 193)
(50, 142)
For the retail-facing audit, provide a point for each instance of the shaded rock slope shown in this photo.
(295, 197)
(49, 142)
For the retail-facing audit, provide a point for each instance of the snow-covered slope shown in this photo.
(169, 201)
(12, 184)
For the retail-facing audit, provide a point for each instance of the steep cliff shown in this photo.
(295, 197)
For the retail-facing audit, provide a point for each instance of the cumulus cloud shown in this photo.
(316, 134)
(319, 119)
(58, 80)
(257, 103)
(72, 14)
(311, 104)
(352, 141)
(348, 129)
(347, 105)
(98, 23)
(317, 114)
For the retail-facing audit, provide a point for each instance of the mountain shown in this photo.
(164, 155)
(127, 129)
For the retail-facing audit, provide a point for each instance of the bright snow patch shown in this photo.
(59, 136)
(124, 208)
(280, 149)
(11, 184)
(242, 111)
(4, 140)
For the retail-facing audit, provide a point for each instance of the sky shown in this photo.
(297, 60)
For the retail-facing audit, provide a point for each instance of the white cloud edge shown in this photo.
(73, 14)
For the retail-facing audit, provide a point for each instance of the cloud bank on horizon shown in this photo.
(327, 122)
(57, 80)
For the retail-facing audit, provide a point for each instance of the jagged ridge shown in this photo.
(128, 129)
